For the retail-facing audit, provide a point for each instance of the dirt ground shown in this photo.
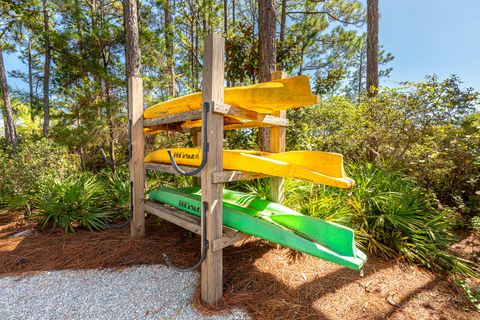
(267, 281)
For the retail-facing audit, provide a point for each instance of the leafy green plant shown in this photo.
(391, 214)
(393, 217)
(28, 166)
(473, 295)
(475, 223)
(78, 201)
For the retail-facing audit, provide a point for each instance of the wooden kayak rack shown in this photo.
(222, 117)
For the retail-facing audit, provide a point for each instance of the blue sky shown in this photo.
(425, 36)
(431, 36)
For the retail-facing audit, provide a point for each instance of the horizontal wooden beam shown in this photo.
(173, 118)
(167, 168)
(241, 113)
(255, 119)
(218, 177)
(228, 239)
(229, 176)
(174, 216)
(192, 224)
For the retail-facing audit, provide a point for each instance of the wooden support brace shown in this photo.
(229, 176)
(192, 224)
(167, 168)
(212, 193)
(278, 137)
(173, 118)
(237, 112)
(137, 172)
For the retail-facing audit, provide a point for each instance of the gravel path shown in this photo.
(145, 292)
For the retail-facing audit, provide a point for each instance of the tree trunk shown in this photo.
(46, 77)
(268, 53)
(283, 21)
(10, 129)
(233, 15)
(360, 72)
(132, 46)
(169, 49)
(372, 47)
(30, 81)
(111, 127)
(225, 17)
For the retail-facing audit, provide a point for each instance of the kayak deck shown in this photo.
(275, 223)
(319, 167)
(265, 97)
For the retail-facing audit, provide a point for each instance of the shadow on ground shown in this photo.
(265, 280)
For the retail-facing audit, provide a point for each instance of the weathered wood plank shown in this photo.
(174, 216)
(278, 137)
(237, 112)
(229, 176)
(173, 118)
(163, 167)
(192, 224)
(137, 172)
(228, 240)
(212, 193)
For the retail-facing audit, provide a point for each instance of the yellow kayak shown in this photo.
(319, 167)
(265, 97)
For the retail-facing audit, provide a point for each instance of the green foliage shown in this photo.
(78, 201)
(26, 167)
(429, 130)
(390, 213)
(475, 223)
(473, 295)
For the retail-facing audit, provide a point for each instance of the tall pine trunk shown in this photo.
(169, 49)
(225, 17)
(268, 53)
(283, 21)
(233, 15)
(10, 129)
(46, 76)
(30, 81)
(372, 47)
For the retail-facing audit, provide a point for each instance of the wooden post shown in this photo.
(278, 137)
(135, 114)
(137, 171)
(212, 193)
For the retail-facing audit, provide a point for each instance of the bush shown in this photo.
(391, 214)
(429, 130)
(25, 168)
(79, 201)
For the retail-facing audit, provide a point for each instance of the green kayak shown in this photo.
(275, 223)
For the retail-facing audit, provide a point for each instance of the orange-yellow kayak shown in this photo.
(319, 167)
(265, 97)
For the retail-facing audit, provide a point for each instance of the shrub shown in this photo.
(429, 130)
(25, 168)
(391, 214)
(78, 201)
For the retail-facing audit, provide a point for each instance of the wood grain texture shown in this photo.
(278, 138)
(192, 224)
(249, 115)
(212, 193)
(164, 167)
(173, 118)
(137, 171)
(229, 176)
(174, 216)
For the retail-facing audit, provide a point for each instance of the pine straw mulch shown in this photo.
(267, 281)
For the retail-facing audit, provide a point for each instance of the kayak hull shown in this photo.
(275, 223)
(265, 97)
(319, 167)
